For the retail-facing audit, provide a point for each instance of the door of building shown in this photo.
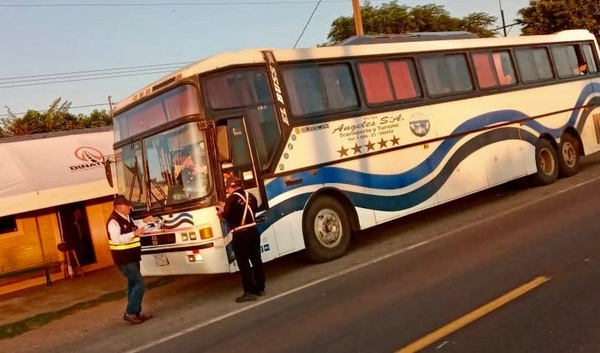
(75, 231)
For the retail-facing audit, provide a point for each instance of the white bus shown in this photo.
(334, 140)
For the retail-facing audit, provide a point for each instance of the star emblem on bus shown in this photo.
(356, 148)
(343, 152)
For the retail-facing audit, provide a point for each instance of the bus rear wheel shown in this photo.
(326, 229)
(546, 161)
(568, 156)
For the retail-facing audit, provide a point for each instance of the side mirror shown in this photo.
(108, 170)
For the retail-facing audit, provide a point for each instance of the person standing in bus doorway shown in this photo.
(239, 212)
(125, 247)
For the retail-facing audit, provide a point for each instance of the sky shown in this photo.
(84, 51)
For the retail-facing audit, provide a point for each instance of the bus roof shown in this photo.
(255, 56)
(405, 37)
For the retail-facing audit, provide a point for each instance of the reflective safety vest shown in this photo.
(124, 253)
(247, 211)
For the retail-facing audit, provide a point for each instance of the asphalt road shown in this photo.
(523, 280)
(512, 269)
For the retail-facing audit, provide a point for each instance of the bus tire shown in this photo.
(568, 156)
(326, 229)
(546, 161)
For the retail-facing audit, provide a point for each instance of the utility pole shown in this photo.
(358, 18)
(502, 16)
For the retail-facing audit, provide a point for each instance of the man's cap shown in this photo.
(121, 200)
(233, 182)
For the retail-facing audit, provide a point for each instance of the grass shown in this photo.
(17, 328)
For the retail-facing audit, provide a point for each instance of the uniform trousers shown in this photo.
(135, 287)
(246, 247)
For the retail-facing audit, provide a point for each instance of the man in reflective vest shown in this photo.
(125, 247)
(239, 213)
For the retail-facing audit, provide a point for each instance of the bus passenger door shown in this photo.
(235, 156)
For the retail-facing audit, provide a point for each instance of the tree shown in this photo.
(97, 118)
(478, 23)
(56, 118)
(394, 18)
(550, 16)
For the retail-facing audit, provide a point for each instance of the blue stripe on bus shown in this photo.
(588, 90)
(395, 202)
(391, 182)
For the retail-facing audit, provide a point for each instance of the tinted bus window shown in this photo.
(446, 74)
(172, 105)
(318, 89)
(237, 88)
(493, 69)
(533, 64)
(565, 60)
(590, 59)
(389, 81)
(376, 83)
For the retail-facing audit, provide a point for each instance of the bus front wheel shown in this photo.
(568, 156)
(326, 229)
(546, 161)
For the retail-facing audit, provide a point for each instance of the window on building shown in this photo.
(8, 224)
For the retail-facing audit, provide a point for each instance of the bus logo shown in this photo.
(420, 126)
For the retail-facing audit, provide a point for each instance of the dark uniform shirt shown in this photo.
(235, 207)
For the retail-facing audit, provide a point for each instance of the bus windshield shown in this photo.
(165, 169)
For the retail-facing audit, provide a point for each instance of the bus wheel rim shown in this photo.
(328, 228)
(569, 154)
(547, 162)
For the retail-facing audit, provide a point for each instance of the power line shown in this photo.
(74, 76)
(83, 79)
(42, 111)
(307, 23)
(290, 2)
(94, 71)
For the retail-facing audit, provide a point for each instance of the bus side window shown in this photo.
(590, 59)
(338, 86)
(565, 60)
(493, 69)
(533, 64)
(304, 90)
